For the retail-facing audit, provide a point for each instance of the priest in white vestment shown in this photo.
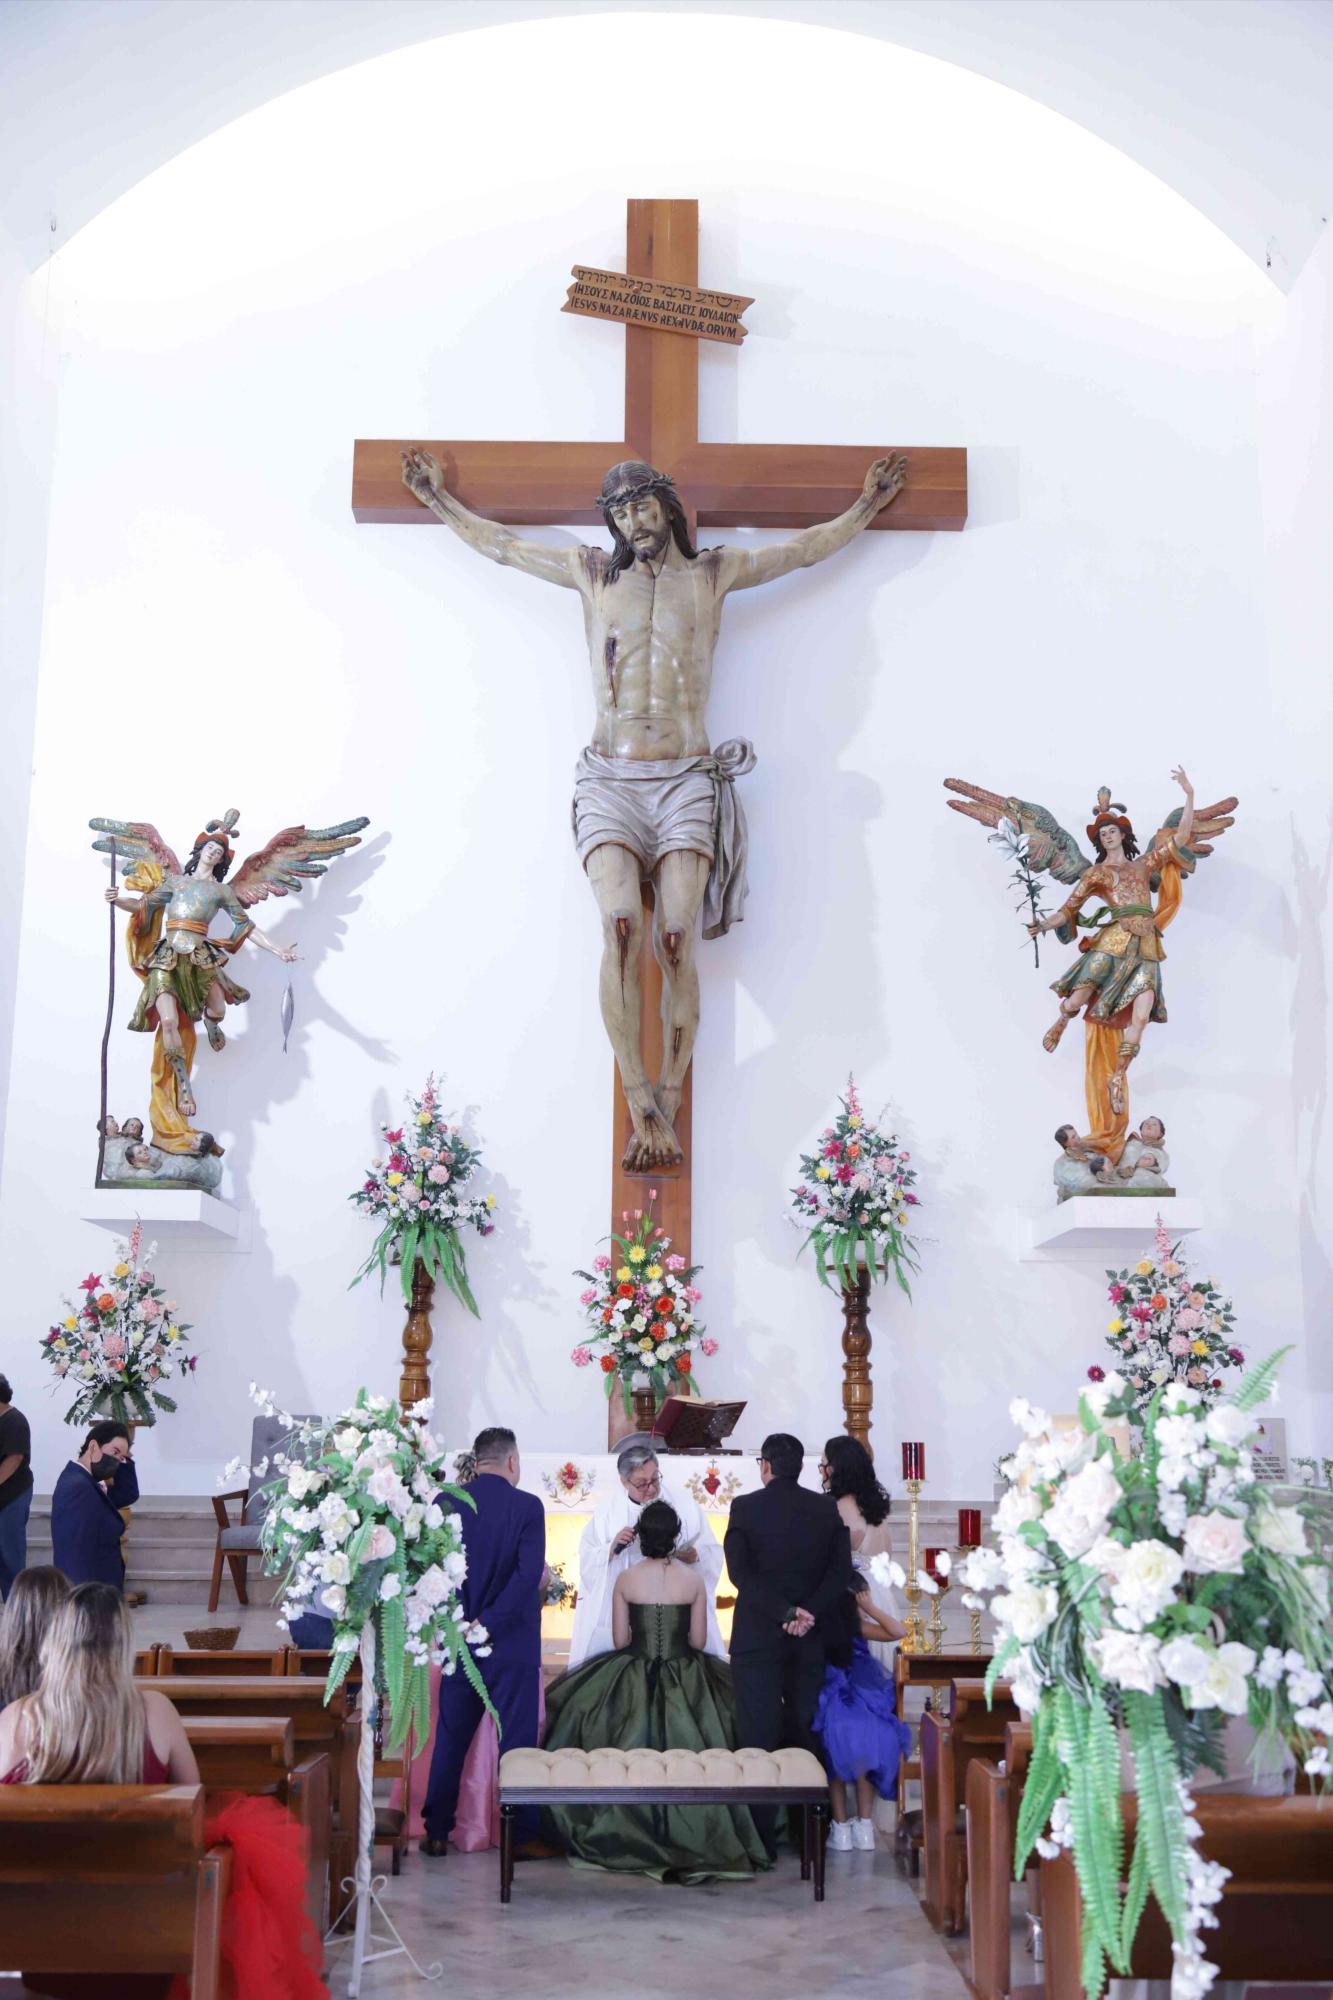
(609, 1545)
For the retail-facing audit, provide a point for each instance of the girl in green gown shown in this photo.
(659, 1690)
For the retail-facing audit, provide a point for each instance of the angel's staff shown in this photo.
(106, 1029)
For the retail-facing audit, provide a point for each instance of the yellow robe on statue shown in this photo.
(171, 1129)
(1107, 1129)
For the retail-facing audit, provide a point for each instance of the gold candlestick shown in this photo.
(973, 1617)
(914, 1640)
(937, 1617)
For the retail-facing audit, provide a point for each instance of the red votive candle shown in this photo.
(969, 1527)
(932, 1558)
(914, 1461)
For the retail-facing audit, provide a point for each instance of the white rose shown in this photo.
(1281, 1529)
(433, 1516)
(1078, 1515)
(413, 1517)
(1185, 1662)
(1226, 1683)
(1105, 1556)
(982, 1570)
(1130, 1659)
(455, 1568)
(300, 1482)
(348, 1441)
(1026, 1609)
(1029, 1419)
(390, 1586)
(334, 1599)
(1303, 1685)
(1179, 1437)
(1225, 1424)
(1146, 1582)
(335, 1568)
(381, 1543)
(1017, 1506)
(433, 1585)
(1215, 1544)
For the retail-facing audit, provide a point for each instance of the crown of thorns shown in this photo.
(655, 482)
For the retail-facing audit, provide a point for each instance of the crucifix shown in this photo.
(657, 823)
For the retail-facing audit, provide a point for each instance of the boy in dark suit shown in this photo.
(86, 1527)
(504, 1540)
(790, 1558)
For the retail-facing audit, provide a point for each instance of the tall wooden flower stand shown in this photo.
(858, 1392)
(414, 1383)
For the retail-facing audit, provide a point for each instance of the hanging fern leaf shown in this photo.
(1257, 1385)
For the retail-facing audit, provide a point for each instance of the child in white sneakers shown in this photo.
(858, 1724)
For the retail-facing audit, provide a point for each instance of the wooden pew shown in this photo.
(1275, 1919)
(260, 1660)
(948, 1745)
(335, 1729)
(257, 1755)
(932, 1673)
(992, 1797)
(111, 1879)
(145, 1660)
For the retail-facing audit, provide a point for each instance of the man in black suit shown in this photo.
(790, 1558)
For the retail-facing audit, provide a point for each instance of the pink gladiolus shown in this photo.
(580, 1357)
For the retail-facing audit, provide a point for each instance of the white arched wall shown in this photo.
(934, 261)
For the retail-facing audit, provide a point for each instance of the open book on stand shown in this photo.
(691, 1423)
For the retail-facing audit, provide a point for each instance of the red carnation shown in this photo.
(1096, 1374)
(624, 1291)
(664, 1306)
(682, 1364)
(608, 1365)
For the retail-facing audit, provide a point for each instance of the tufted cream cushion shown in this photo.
(648, 1769)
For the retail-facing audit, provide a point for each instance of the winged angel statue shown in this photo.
(1116, 980)
(184, 972)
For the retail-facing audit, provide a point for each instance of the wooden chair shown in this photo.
(334, 1729)
(1275, 1919)
(112, 1879)
(226, 1660)
(948, 1746)
(238, 1540)
(257, 1755)
(992, 1797)
(393, 1824)
(930, 1672)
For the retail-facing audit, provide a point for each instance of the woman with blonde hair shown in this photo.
(88, 1723)
(34, 1596)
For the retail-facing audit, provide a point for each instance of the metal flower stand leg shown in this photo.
(368, 1943)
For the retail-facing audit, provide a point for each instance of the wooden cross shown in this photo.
(722, 486)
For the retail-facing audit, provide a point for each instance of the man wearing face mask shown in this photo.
(85, 1525)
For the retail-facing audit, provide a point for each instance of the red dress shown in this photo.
(270, 1950)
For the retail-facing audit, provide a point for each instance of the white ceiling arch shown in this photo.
(1229, 102)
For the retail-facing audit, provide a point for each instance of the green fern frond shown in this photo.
(1257, 1384)
(1160, 1820)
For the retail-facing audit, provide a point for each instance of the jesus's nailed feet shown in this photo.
(435, 1849)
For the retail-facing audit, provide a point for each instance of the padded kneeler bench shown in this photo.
(667, 1778)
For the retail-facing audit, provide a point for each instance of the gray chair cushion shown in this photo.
(233, 1540)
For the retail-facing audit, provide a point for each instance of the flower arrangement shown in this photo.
(1161, 1594)
(418, 1193)
(557, 1589)
(856, 1194)
(1168, 1327)
(641, 1306)
(354, 1527)
(121, 1344)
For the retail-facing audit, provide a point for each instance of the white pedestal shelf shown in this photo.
(190, 1216)
(1097, 1229)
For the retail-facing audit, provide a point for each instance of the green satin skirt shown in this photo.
(626, 1701)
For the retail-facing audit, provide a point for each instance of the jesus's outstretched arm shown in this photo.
(423, 478)
(744, 568)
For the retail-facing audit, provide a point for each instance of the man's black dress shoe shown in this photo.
(436, 1849)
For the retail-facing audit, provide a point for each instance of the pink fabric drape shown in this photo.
(477, 1824)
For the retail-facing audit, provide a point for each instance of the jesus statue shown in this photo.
(653, 802)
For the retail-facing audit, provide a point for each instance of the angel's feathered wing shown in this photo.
(291, 857)
(134, 840)
(1049, 848)
(1210, 823)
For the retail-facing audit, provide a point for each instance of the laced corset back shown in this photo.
(659, 1631)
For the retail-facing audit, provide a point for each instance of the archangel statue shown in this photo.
(1115, 982)
(653, 801)
(183, 972)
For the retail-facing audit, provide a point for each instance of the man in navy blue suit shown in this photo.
(85, 1525)
(505, 1543)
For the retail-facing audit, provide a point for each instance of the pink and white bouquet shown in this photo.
(1157, 1595)
(418, 1191)
(1168, 1327)
(855, 1198)
(354, 1526)
(642, 1308)
(120, 1343)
